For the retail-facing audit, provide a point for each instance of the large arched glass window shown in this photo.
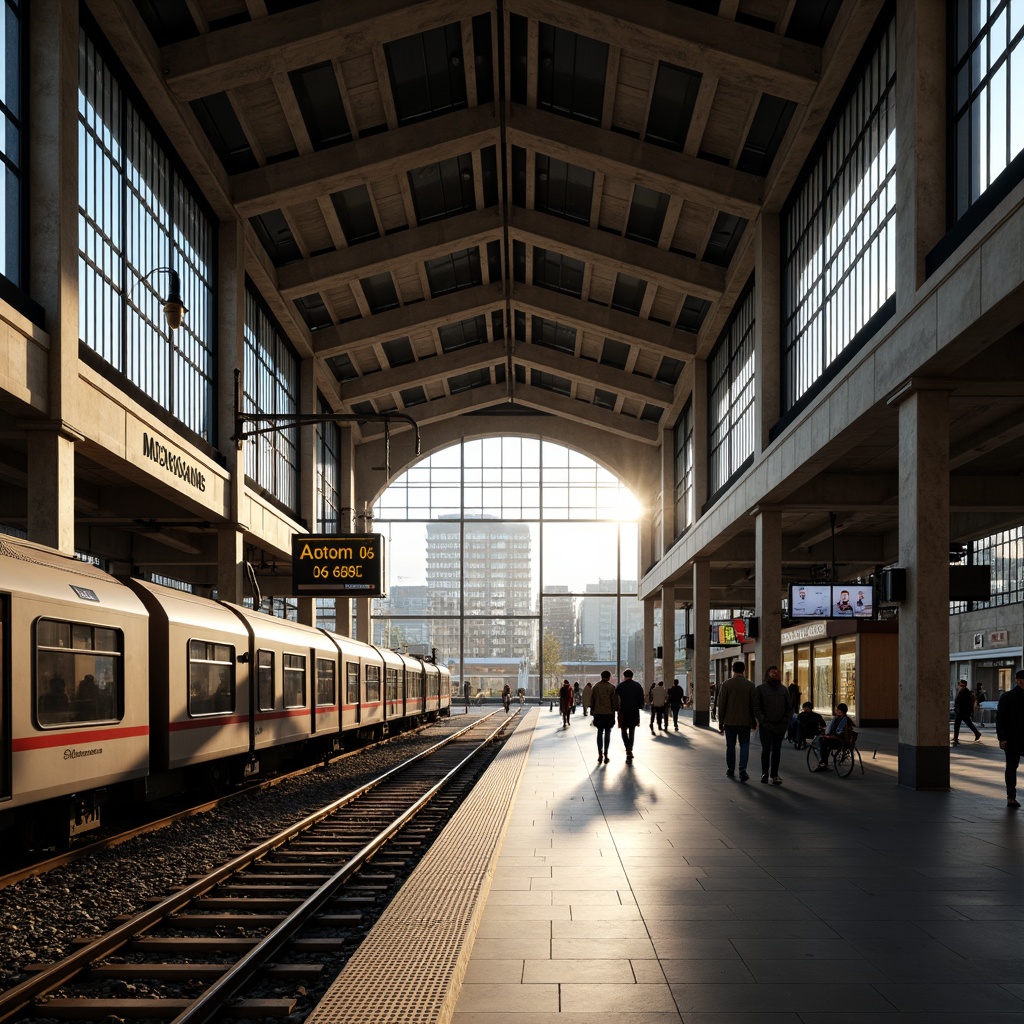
(516, 560)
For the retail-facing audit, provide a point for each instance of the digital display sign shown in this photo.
(728, 633)
(835, 601)
(338, 565)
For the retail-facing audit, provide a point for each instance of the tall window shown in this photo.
(987, 52)
(1004, 552)
(731, 397)
(683, 463)
(271, 386)
(11, 145)
(839, 229)
(328, 446)
(137, 219)
(517, 559)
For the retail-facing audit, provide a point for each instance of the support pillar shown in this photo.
(649, 636)
(668, 634)
(51, 489)
(924, 615)
(230, 558)
(701, 649)
(768, 586)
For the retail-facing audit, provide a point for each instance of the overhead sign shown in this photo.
(728, 633)
(338, 565)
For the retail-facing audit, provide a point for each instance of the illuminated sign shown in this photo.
(339, 565)
(728, 633)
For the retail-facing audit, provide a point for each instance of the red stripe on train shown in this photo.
(66, 739)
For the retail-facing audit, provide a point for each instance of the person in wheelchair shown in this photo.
(808, 725)
(836, 735)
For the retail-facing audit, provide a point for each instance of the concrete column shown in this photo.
(700, 436)
(924, 616)
(701, 649)
(668, 634)
(768, 585)
(52, 228)
(921, 91)
(767, 326)
(650, 635)
(231, 583)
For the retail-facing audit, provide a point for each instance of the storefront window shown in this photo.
(803, 671)
(846, 689)
(823, 677)
(789, 669)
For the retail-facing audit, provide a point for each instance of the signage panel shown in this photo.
(338, 565)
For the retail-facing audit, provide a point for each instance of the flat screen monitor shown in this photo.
(831, 601)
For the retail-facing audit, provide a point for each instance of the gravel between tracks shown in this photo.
(39, 917)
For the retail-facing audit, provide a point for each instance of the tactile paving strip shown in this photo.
(410, 967)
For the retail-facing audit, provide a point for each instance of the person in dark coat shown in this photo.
(963, 709)
(675, 701)
(771, 707)
(1010, 733)
(604, 702)
(631, 703)
(565, 701)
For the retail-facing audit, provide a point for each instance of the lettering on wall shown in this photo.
(176, 465)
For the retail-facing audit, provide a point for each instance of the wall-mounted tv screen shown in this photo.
(831, 601)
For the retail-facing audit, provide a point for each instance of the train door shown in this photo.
(353, 704)
(5, 701)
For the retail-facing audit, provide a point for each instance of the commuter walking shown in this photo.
(659, 705)
(1010, 733)
(675, 701)
(736, 719)
(631, 702)
(979, 697)
(604, 702)
(963, 709)
(577, 697)
(587, 690)
(565, 702)
(771, 708)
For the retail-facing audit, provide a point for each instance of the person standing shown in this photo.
(604, 702)
(577, 697)
(565, 702)
(771, 708)
(794, 694)
(979, 697)
(631, 702)
(587, 690)
(963, 709)
(1010, 733)
(736, 719)
(675, 701)
(659, 705)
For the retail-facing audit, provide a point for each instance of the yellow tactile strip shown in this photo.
(410, 967)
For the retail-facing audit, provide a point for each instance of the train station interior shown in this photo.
(760, 260)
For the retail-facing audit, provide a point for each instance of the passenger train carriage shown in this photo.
(124, 691)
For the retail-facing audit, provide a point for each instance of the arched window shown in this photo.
(516, 559)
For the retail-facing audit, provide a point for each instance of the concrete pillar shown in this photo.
(649, 638)
(231, 583)
(924, 616)
(767, 328)
(701, 648)
(52, 155)
(768, 586)
(921, 112)
(668, 634)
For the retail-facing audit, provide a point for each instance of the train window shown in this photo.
(294, 681)
(393, 681)
(265, 680)
(352, 682)
(373, 684)
(79, 673)
(211, 678)
(326, 682)
(416, 685)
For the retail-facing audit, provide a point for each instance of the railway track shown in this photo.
(252, 937)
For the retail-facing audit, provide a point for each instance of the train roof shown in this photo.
(183, 608)
(34, 570)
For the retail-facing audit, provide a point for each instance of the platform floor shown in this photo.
(665, 892)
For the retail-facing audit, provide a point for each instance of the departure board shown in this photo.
(338, 565)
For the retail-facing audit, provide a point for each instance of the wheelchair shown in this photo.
(842, 758)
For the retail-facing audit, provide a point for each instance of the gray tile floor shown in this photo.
(664, 892)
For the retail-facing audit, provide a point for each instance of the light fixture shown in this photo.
(174, 308)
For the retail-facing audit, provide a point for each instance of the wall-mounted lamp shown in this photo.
(174, 308)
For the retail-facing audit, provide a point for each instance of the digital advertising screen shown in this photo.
(810, 601)
(852, 601)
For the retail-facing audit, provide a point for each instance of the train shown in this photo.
(118, 691)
